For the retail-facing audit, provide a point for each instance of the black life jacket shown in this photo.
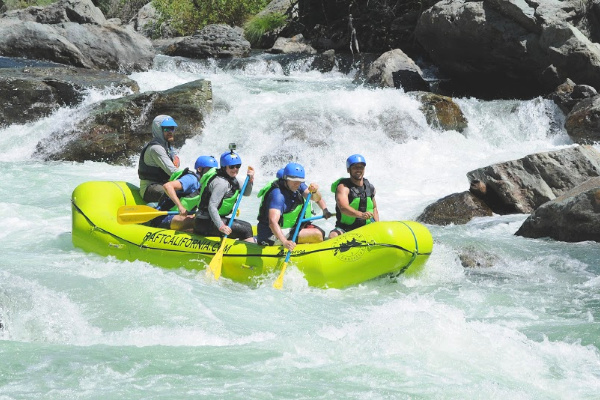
(148, 173)
(360, 198)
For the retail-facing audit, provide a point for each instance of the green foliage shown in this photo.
(18, 4)
(187, 16)
(258, 26)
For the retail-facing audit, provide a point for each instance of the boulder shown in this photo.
(458, 209)
(293, 45)
(396, 69)
(33, 92)
(572, 217)
(568, 94)
(441, 112)
(213, 41)
(73, 32)
(115, 131)
(521, 186)
(533, 44)
(583, 122)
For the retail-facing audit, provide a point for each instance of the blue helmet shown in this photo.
(230, 158)
(294, 172)
(168, 121)
(206, 161)
(354, 159)
(280, 173)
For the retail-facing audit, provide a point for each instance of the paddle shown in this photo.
(278, 284)
(139, 214)
(217, 261)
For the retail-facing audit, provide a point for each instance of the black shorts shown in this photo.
(239, 229)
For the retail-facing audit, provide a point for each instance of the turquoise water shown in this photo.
(81, 326)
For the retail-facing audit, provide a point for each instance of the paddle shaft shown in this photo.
(217, 261)
(237, 203)
(295, 236)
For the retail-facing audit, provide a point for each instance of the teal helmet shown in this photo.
(230, 158)
(294, 172)
(206, 161)
(355, 159)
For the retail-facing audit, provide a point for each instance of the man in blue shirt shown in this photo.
(182, 193)
(280, 210)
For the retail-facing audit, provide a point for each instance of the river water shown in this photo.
(81, 326)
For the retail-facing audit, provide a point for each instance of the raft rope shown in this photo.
(344, 246)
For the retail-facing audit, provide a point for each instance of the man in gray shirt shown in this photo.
(158, 159)
(219, 193)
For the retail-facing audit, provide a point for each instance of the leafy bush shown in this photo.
(187, 16)
(258, 26)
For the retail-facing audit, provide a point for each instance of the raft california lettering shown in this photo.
(182, 241)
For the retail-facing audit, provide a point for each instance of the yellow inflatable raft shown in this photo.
(377, 249)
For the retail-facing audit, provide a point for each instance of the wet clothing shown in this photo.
(218, 196)
(360, 198)
(239, 229)
(287, 202)
(156, 162)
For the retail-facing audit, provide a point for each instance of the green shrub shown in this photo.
(18, 4)
(187, 16)
(258, 26)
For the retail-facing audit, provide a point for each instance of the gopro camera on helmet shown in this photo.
(232, 147)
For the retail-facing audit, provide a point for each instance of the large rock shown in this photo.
(293, 45)
(458, 208)
(33, 92)
(396, 69)
(213, 41)
(492, 42)
(73, 32)
(583, 122)
(568, 94)
(116, 130)
(441, 112)
(521, 186)
(571, 217)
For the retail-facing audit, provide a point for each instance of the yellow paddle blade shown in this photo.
(137, 214)
(278, 284)
(217, 261)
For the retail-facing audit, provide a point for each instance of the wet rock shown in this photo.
(583, 122)
(31, 93)
(521, 186)
(572, 217)
(116, 130)
(568, 94)
(458, 208)
(442, 112)
(471, 257)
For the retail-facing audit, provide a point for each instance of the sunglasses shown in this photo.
(168, 128)
(238, 166)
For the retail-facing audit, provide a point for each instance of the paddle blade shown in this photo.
(217, 262)
(137, 214)
(278, 284)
